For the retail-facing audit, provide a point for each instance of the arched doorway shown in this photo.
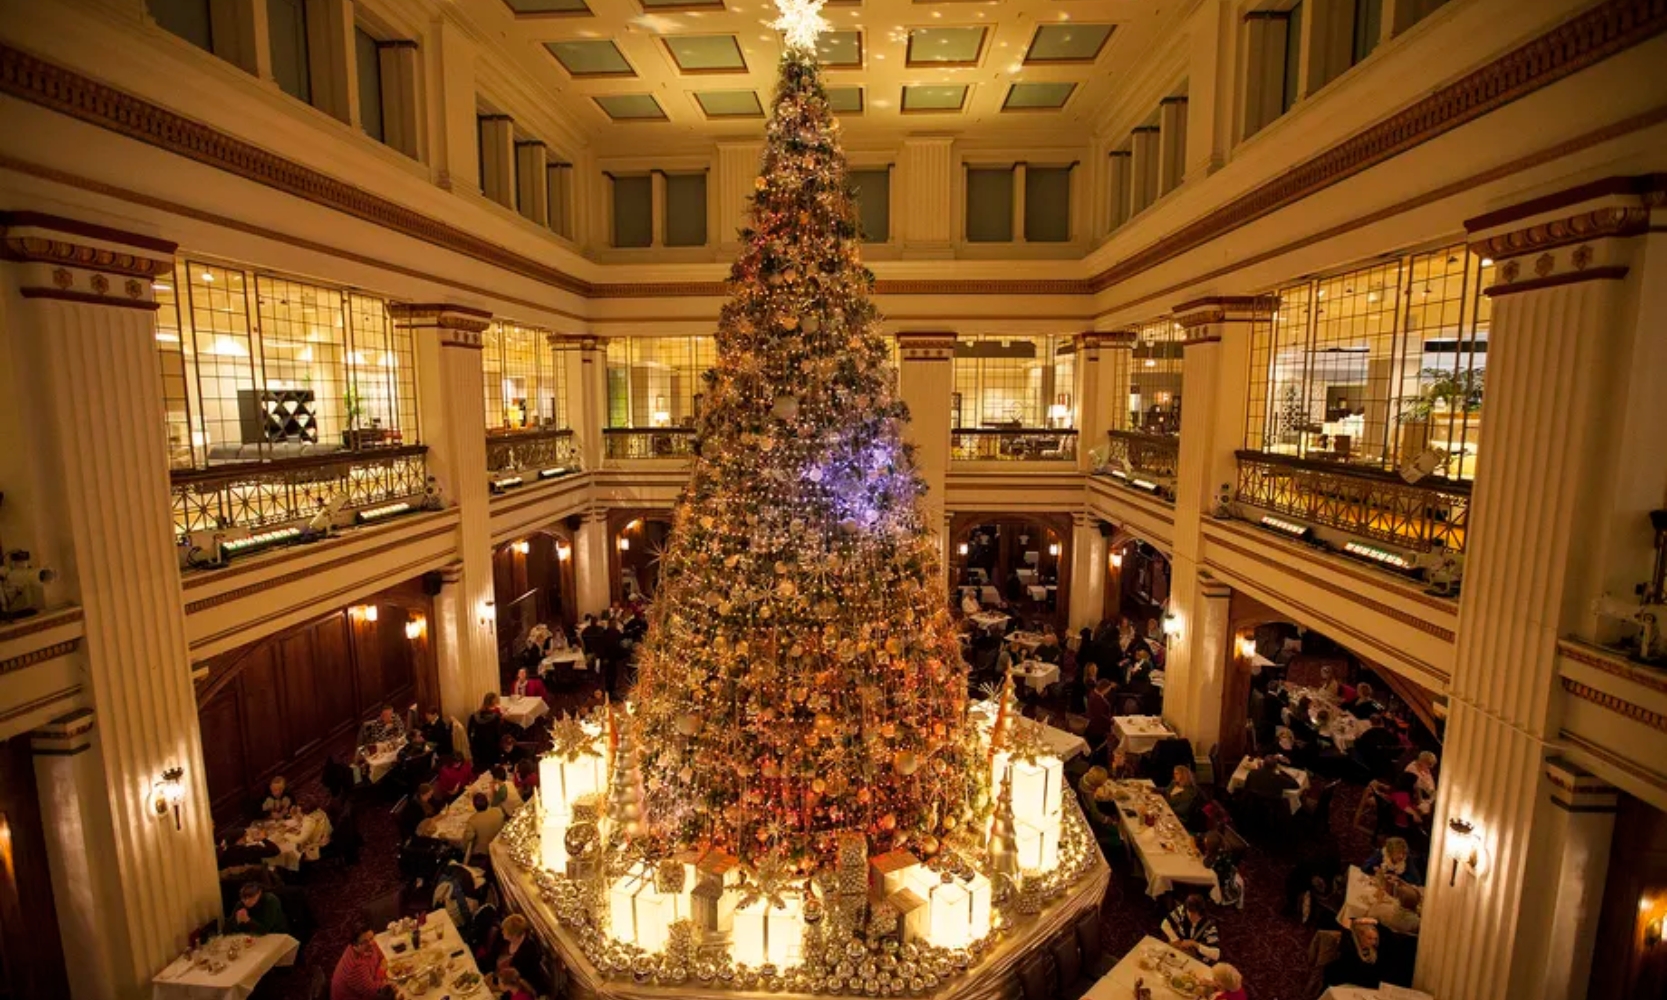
(532, 584)
(635, 540)
(1025, 559)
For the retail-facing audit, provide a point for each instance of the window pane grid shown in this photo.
(1156, 377)
(525, 383)
(177, 388)
(218, 347)
(303, 350)
(658, 381)
(1011, 382)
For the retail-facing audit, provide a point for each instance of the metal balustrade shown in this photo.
(1426, 516)
(968, 444)
(630, 443)
(257, 494)
(1150, 454)
(513, 451)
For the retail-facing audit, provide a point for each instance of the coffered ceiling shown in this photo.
(636, 76)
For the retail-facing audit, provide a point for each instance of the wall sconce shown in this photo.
(416, 628)
(364, 612)
(1117, 560)
(624, 544)
(522, 547)
(1053, 550)
(168, 793)
(1172, 624)
(1247, 647)
(1652, 928)
(6, 846)
(563, 550)
(1464, 845)
(962, 548)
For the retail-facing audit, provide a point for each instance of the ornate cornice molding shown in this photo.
(925, 345)
(1614, 703)
(1578, 790)
(1222, 309)
(1584, 227)
(66, 735)
(1611, 663)
(458, 326)
(74, 261)
(40, 655)
(578, 341)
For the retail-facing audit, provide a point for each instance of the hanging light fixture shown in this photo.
(168, 792)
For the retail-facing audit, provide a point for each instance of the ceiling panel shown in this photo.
(1037, 96)
(840, 49)
(681, 4)
(950, 46)
(1068, 43)
(706, 53)
(729, 103)
(934, 97)
(534, 8)
(590, 57)
(631, 107)
(845, 100)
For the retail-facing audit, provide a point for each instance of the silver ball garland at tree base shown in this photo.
(799, 745)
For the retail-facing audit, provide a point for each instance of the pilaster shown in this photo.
(1143, 168)
(332, 66)
(590, 562)
(1172, 143)
(401, 108)
(737, 167)
(926, 381)
(1088, 573)
(452, 121)
(926, 170)
(1117, 180)
(453, 623)
(1583, 823)
(532, 181)
(560, 196)
(1564, 319)
(497, 158)
(1211, 75)
(586, 358)
(85, 330)
(448, 340)
(1101, 391)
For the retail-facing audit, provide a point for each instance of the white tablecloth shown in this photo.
(1293, 795)
(1165, 849)
(297, 839)
(571, 657)
(1164, 961)
(1026, 641)
(1061, 742)
(382, 758)
(453, 822)
(522, 710)
(1138, 734)
(986, 593)
(1362, 894)
(256, 956)
(1343, 729)
(988, 619)
(440, 943)
(1037, 673)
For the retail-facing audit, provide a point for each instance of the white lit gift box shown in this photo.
(640, 914)
(715, 894)
(889, 872)
(1038, 784)
(767, 934)
(957, 910)
(562, 780)
(1038, 845)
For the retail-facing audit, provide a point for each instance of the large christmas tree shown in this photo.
(802, 679)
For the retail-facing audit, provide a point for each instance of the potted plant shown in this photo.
(1441, 391)
(353, 410)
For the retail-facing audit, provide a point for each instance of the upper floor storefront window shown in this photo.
(1009, 383)
(1155, 377)
(1380, 366)
(524, 378)
(257, 366)
(657, 381)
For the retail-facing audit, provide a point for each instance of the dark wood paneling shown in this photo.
(265, 739)
(1635, 894)
(31, 954)
(304, 724)
(335, 698)
(224, 765)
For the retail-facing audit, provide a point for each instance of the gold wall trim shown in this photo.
(1610, 663)
(265, 585)
(1647, 775)
(41, 655)
(1617, 704)
(41, 623)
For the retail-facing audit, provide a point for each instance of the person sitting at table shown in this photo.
(278, 802)
(1191, 930)
(1123, 766)
(526, 687)
(428, 800)
(504, 793)
(1267, 780)
(1285, 741)
(1213, 854)
(1086, 680)
(1328, 682)
(1422, 769)
(453, 778)
(482, 828)
(1182, 793)
(969, 601)
(1400, 912)
(1401, 799)
(261, 913)
(1048, 650)
(510, 751)
(1362, 705)
(526, 777)
(1102, 821)
(360, 972)
(1357, 957)
(485, 730)
(517, 947)
(1393, 858)
(237, 857)
(436, 730)
(385, 728)
(1229, 983)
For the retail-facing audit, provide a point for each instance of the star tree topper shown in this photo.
(801, 21)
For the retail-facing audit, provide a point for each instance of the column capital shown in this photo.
(64, 736)
(1213, 589)
(1090, 340)
(75, 261)
(1576, 790)
(926, 345)
(450, 574)
(1199, 316)
(578, 341)
(1573, 235)
(458, 326)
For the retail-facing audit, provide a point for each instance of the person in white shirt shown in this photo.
(1399, 914)
(1191, 930)
(1423, 768)
(969, 602)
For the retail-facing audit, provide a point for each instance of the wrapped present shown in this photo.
(913, 914)
(562, 780)
(712, 906)
(588, 808)
(726, 868)
(1038, 845)
(958, 906)
(888, 872)
(639, 913)
(765, 933)
(1038, 784)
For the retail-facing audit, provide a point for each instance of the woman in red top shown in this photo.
(1229, 984)
(360, 973)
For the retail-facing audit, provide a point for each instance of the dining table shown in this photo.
(522, 710)
(1037, 674)
(574, 658)
(1138, 734)
(298, 838)
(988, 619)
(380, 758)
(441, 955)
(1156, 836)
(1362, 893)
(226, 968)
(1062, 743)
(1025, 642)
(1293, 796)
(1156, 965)
(1385, 991)
(451, 824)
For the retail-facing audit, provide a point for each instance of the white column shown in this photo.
(587, 391)
(401, 108)
(450, 630)
(1088, 571)
(1143, 168)
(452, 121)
(1583, 823)
(448, 339)
(1172, 143)
(590, 562)
(1564, 324)
(1213, 399)
(1118, 174)
(926, 380)
(532, 181)
(497, 158)
(84, 330)
(927, 211)
(737, 168)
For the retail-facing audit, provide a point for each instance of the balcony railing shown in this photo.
(257, 494)
(1150, 454)
(978, 444)
(1425, 516)
(630, 443)
(512, 451)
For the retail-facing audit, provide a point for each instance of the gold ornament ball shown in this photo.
(688, 723)
(906, 763)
